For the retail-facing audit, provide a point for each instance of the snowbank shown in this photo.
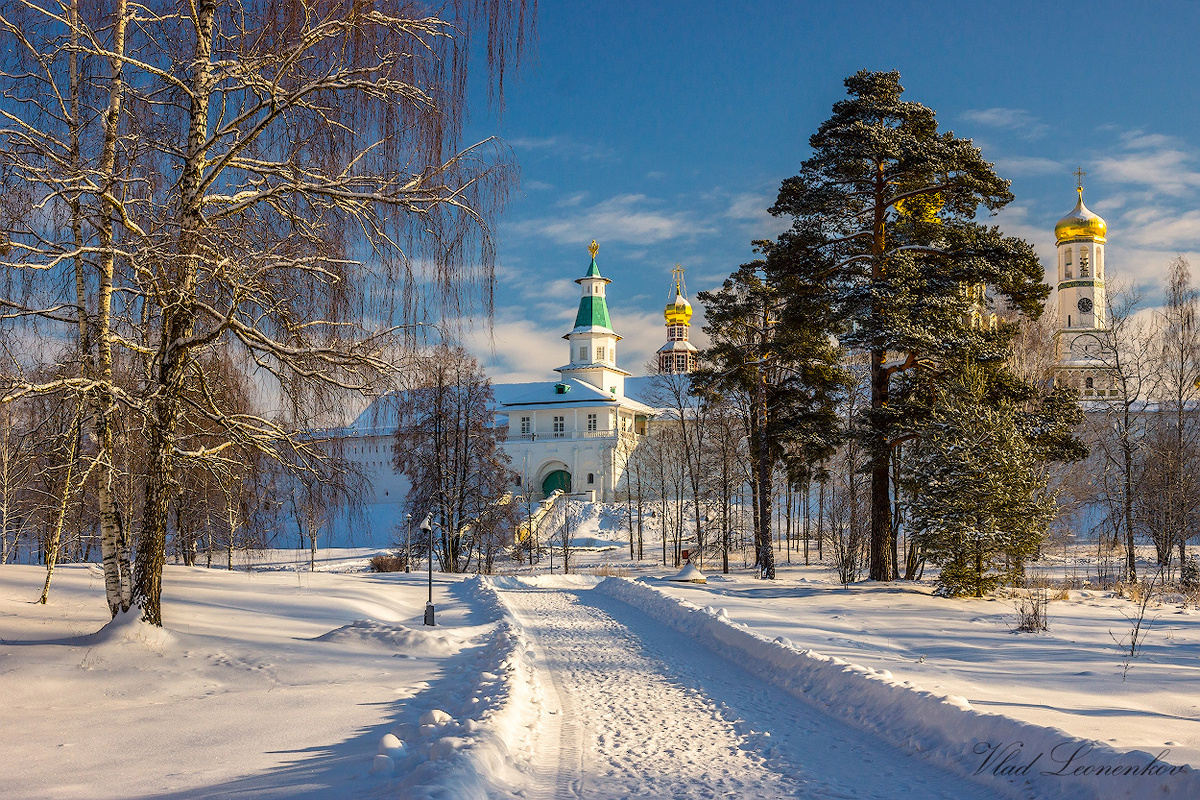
(127, 628)
(1016, 758)
(391, 636)
(481, 748)
(538, 581)
(689, 574)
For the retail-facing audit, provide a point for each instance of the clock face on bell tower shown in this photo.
(1084, 305)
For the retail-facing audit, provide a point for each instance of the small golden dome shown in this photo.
(679, 312)
(1081, 224)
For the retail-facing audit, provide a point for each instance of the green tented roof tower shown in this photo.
(593, 308)
(593, 342)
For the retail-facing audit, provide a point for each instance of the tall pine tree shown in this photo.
(884, 213)
(771, 349)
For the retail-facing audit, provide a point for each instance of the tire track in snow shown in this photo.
(558, 767)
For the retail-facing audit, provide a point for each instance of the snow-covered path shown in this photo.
(639, 710)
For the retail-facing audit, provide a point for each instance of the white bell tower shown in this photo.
(1080, 237)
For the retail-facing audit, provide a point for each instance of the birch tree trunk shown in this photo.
(114, 550)
(178, 320)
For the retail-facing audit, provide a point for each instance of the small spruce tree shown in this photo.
(979, 506)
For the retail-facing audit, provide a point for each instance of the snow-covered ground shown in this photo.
(280, 682)
(262, 684)
(1069, 677)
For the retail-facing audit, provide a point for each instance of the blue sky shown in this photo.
(663, 130)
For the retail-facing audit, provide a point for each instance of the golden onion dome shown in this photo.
(678, 312)
(1081, 224)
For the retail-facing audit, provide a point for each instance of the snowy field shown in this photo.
(280, 682)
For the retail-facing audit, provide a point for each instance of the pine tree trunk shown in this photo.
(763, 549)
(882, 567)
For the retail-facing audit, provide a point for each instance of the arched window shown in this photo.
(1100, 263)
(591, 478)
(1067, 273)
(1085, 267)
(1089, 383)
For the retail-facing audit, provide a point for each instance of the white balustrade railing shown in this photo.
(573, 435)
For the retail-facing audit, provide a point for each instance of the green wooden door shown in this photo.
(559, 479)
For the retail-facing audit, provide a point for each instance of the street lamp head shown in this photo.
(427, 523)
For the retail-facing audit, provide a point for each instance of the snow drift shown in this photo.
(1011, 757)
(478, 747)
(409, 641)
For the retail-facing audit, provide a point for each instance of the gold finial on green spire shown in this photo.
(593, 248)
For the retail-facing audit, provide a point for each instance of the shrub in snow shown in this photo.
(386, 563)
(1031, 605)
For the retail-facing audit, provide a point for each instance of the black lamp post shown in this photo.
(427, 526)
(408, 543)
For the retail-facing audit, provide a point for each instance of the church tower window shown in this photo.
(1067, 272)
(1084, 263)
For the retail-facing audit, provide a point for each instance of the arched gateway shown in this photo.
(559, 479)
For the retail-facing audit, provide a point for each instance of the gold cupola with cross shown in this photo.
(678, 355)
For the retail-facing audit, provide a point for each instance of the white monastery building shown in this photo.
(575, 433)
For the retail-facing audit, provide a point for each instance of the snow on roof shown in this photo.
(577, 391)
(381, 417)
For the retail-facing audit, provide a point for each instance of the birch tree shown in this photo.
(286, 182)
(59, 143)
(1126, 350)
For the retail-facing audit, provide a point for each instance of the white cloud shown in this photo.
(563, 147)
(749, 206)
(1026, 166)
(527, 347)
(630, 218)
(1145, 268)
(751, 210)
(518, 350)
(1167, 169)
(571, 200)
(1018, 120)
(1153, 226)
